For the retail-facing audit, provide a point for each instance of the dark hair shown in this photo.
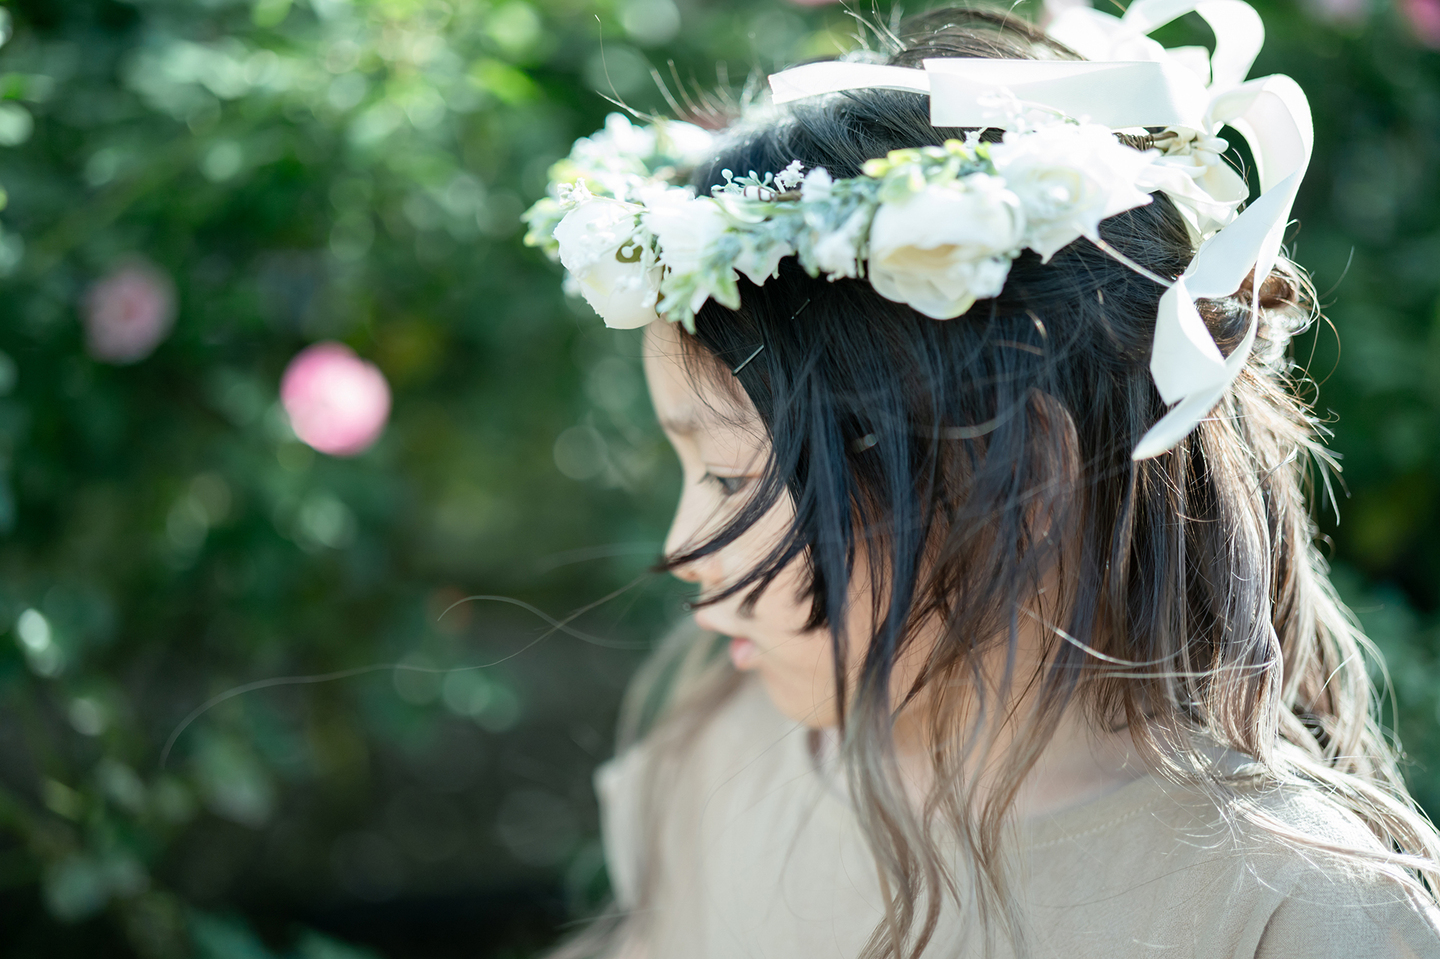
(967, 460)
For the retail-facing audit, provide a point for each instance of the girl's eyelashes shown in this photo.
(728, 485)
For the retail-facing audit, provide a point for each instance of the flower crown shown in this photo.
(938, 227)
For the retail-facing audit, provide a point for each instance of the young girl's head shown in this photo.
(904, 496)
(935, 534)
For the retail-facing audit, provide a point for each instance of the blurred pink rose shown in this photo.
(128, 312)
(1424, 17)
(337, 402)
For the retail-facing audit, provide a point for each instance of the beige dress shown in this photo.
(761, 856)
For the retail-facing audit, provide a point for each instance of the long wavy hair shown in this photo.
(968, 462)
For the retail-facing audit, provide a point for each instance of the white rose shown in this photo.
(1069, 177)
(946, 246)
(596, 248)
(1061, 204)
(686, 226)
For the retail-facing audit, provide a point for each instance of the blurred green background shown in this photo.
(198, 190)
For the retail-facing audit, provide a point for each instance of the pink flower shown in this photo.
(337, 402)
(128, 312)
(1424, 17)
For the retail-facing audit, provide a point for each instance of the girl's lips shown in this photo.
(743, 653)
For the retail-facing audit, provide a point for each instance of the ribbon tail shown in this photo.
(1239, 35)
(1178, 423)
(1184, 359)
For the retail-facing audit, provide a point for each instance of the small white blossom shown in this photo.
(790, 177)
(571, 195)
(817, 186)
(1069, 177)
(836, 251)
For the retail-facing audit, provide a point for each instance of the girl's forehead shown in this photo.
(686, 402)
(684, 397)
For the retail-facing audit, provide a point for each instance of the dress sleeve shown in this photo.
(1357, 915)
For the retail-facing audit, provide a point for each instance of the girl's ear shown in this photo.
(1053, 483)
(1054, 449)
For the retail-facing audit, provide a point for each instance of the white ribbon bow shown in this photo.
(1129, 80)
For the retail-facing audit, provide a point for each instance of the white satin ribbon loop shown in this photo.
(1142, 93)
(1274, 117)
(1239, 35)
(1115, 94)
(1239, 32)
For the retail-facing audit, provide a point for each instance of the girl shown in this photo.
(1012, 638)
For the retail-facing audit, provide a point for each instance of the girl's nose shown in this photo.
(686, 572)
(678, 545)
(684, 535)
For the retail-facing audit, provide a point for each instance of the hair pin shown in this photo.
(736, 371)
(746, 361)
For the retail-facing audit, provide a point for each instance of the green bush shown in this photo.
(271, 174)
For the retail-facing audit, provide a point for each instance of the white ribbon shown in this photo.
(1274, 117)
(1129, 80)
(1117, 94)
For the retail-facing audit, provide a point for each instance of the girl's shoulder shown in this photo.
(1262, 871)
(1335, 903)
